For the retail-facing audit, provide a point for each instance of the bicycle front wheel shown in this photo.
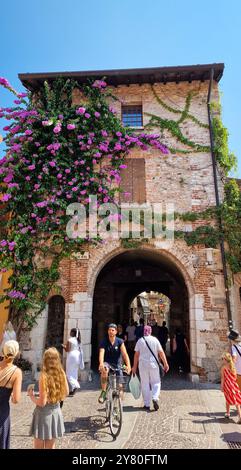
(115, 416)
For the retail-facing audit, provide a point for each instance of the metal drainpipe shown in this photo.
(224, 261)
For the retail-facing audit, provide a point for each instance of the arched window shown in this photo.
(55, 328)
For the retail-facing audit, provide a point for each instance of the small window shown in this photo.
(132, 116)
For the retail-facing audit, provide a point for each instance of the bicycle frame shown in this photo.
(113, 404)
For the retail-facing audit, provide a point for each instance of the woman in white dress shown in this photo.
(74, 358)
(8, 334)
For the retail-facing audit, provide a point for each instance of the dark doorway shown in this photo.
(125, 277)
(55, 328)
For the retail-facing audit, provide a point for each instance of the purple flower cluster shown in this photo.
(16, 294)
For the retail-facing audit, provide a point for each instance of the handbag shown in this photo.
(135, 386)
(161, 368)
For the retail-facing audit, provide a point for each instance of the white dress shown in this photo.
(7, 336)
(73, 362)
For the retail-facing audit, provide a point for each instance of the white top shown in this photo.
(235, 353)
(130, 330)
(74, 345)
(146, 356)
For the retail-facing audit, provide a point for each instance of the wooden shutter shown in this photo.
(134, 181)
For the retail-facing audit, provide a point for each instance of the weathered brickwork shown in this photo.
(186, 180)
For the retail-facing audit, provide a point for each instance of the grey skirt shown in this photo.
(47, 422)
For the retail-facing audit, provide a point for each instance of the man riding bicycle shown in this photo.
(112, 349)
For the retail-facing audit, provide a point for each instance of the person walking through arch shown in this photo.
(8, 334)
(229, 385)
(181, 351)
(163, 335)
(235, 339)
(148, 367)
(74, 359)
(10, 386)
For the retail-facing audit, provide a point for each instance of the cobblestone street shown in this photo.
(190, 416)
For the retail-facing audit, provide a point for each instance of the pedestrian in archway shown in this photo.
(163, 335)
(8, 334)
(74, 356)
(229, 385)
(181, 351)
(236, 353)
(148, 352)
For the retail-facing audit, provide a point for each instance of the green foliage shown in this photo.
(174, 126)
(224, 157)
(230, 212)
(133, 243)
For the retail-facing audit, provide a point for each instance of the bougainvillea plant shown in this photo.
(57, 153)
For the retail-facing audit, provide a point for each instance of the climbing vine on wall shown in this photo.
(173, 126)
(229, 211)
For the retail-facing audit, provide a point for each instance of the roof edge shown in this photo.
(115, 77)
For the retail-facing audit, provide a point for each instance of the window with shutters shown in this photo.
(133, 181)
(132, 116)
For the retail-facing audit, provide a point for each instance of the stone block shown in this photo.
(80, 296)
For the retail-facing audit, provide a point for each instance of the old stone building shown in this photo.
(100, 285)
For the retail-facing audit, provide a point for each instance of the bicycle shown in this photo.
(113, 405)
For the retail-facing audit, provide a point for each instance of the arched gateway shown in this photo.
(128, 274)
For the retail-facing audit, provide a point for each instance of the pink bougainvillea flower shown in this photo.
(80, 110)
(11, 246)
(97, 114)
(57, 129)
(52, 163)
(99, 84)
(87, 115)
(5, 82)
(6, 197)
(47, 123)
(22, 95)
(70, 127)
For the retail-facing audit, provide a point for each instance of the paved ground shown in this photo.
(190, 416)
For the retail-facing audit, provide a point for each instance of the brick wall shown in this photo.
(187, 181)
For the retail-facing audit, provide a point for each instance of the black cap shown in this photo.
(233, 335)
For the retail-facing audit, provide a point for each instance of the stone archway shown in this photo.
(55, 325)
(130, 272)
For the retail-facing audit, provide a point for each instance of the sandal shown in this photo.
(227, 415)
(102, 397)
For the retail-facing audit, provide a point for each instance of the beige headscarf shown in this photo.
(10, 349)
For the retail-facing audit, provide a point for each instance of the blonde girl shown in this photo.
(229, 385)
(47, 423)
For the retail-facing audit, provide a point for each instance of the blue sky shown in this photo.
(60, 35)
